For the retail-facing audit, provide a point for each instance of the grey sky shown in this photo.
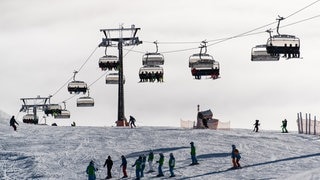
(43, 42)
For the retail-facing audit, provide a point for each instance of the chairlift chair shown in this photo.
(65, 114)
(284, 44)
(108, 62)
(152, 59)
(85, 101)
(30, 119)
(201, 61)
(151, 74)
(259, 53)
(113, 78)
(77, 87)
(52, 109)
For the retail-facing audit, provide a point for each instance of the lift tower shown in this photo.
(126, 37)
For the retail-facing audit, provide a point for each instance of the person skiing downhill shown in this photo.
(150, 160)
(143, 165)
(284, 126)
(172, 162)
(124, 166)
(160, 161)
(13, 123)
(235, 156)
(193, 154)
(256, 126)
(109, 164)
(138, 167)
(91, 171)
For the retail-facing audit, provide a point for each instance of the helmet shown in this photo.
(171, 154)
(233, 146)
(191, 142)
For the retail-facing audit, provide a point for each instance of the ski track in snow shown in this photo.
(46, 152)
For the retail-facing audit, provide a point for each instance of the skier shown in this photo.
(138, 167)
(172, 162)
(193, 154)
(235, 155)
(284, 126)
(91, 171)
(160, 161)
(109, 164)
(13, 123)
(124, 166)
(132, 121)
(150, 160)
(256, 126)
(143, 164)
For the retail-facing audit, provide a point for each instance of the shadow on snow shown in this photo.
(155, 151)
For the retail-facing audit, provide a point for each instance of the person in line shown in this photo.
(193, 154)
(256, 126)
(150, 161)
(91, 171)
(13, 123)
(143, 165)
(284, 126)
(138, 167)
(132, 121)
(124, 166)
(172, 162)
(160, 161)
(109, 164)
(235, 156)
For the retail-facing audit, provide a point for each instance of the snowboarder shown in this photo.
(109, 164)
(138, 167)
(256, 126)
(235, 155)
(132, 121)
(91, 171)
(143, 164)
(284, 126)
(160, 161)
(193, 154)
(172, 162)
(150, 160)
(13, 123)
(124, 166)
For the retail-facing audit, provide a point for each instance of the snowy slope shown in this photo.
(46, 152)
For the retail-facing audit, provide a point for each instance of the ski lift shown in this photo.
(288, 45)
(203, 64)
(108, 62)
(151, 74)
(52, 109)
(30, 119)
(64, 114)
(85, 101)
(77, 86)
(113, 78)
(259, 53)
(153, 59)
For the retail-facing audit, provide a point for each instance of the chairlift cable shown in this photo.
(296, 12)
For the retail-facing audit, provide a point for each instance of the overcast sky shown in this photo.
(42, 42)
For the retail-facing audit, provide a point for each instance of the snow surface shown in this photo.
(47, 152)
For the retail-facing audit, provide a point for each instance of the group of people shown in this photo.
(151, 76)
(283, 126)
(140, 164)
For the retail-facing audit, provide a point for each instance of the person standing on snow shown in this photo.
(160, 161)
(284, 126)
(235, 155)
(109, 164)
(193, 154)
(172, 162)
(150, 160)
(256, 126)
(143, 164)
(124, 166)
(91, 171)
(132, 121)
(138, 167)
(13, 123)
